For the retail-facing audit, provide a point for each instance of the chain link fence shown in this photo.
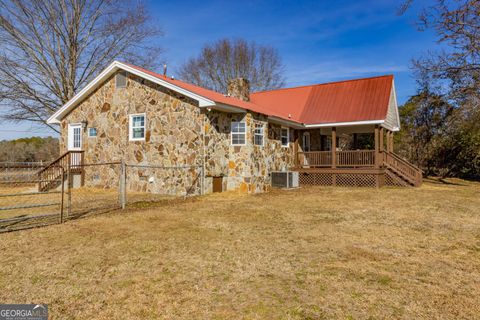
(154, 183)
(88, 189)
(94, 189)
(19, 173)
(22, 204)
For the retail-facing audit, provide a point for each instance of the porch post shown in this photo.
(387, 136)
(334, 147)
(382, 142)
(391, 141)
(377, 151)
(295, 149)
(355, 141)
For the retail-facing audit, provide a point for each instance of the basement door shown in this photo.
(75, 137)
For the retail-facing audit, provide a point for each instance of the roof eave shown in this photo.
(226, 108)
(111, 69)
(343, 124)
(289, 123)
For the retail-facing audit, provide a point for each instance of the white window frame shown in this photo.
(71, 136)
(261, 126)
(288, 137)
(232, 133)
(88, 132)
(130, 127)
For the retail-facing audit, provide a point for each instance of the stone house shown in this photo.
(238, 138)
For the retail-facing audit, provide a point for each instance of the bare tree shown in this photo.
(51, 48)
(457, 25)
(442, 122)
(225, 60)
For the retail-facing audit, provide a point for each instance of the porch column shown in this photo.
(387, 136)
(377, 149)
(382, 142)
(296, 133)
(391, 141)
(334, 147)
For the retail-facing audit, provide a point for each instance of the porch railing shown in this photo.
(410, 172)
(352, 158)
(49, 175)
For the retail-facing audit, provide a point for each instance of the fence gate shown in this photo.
(22, 206)
(33, 196)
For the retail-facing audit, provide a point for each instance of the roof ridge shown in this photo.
(173, 79)
(325, 83)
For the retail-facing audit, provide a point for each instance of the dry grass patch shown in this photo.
(312, 253)
(83, 200)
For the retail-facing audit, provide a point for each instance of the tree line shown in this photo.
(34, 149)
(441, 123)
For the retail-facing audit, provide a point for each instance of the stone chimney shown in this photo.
(239, 88)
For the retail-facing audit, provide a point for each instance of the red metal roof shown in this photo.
(206, 93)
(344, 101)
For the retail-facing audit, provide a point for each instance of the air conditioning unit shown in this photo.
(285, 179)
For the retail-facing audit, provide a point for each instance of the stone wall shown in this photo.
(245, 167)
(173, 134)
(175, 128)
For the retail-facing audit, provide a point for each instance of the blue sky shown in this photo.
(319, 41)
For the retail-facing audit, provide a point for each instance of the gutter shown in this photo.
(343, 124)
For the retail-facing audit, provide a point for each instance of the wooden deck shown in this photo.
(345, 159)
(357, 168)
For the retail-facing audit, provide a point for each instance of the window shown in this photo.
(238, 132)
(77, 137)
(121, 79)
(258, 134)
(328, 144)
(137, 126)
(306, 142)
(285, 137)
(92, 132)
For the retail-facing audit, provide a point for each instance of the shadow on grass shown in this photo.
(444, 181)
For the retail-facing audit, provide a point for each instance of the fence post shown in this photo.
(202, 181)
(63, 190)
(122, 188)
(69, 187)
(186, 172)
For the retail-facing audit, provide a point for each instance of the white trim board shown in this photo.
(342, 124)
(110, 70)
(202, 101)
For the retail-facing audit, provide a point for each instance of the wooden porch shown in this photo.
(368, 168)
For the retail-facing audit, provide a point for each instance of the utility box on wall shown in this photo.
(285, 179)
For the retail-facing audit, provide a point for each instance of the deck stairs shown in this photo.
(52, 175)
(401, 171)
